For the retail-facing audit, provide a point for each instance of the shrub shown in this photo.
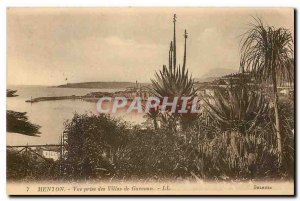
(103, 148)
(28, 166)
(91, 141)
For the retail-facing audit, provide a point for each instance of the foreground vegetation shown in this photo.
(244, 132)
(100, 147)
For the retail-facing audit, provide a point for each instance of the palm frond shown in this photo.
(267, 51)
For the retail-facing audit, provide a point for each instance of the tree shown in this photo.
(17, 122)
(268, 53)
(11, 93)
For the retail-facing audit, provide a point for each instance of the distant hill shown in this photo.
(219, 72)
(214, 74)
(205, 79)
(101, 85)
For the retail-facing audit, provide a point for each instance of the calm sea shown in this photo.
(51, 115)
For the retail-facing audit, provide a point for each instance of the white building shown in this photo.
(49, 152)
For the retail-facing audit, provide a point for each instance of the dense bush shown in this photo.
(101, 147)
(91, 141)
(189, 155)
(287, 117)
(104, 148)
(27, 165)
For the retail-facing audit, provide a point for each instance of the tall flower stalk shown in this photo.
(174, 80)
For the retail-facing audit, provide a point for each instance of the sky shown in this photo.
(52, 46)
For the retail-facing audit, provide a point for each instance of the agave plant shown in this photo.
(237, 108)
(174, 81)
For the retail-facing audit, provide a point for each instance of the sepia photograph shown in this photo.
(150, 101)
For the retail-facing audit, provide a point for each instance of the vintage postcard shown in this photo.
(150, 101)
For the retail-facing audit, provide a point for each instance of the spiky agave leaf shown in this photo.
(173, 83)
(239, 108)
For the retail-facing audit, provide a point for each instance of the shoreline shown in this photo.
(56, 98)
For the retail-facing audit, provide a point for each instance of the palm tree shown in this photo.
(268, 53)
